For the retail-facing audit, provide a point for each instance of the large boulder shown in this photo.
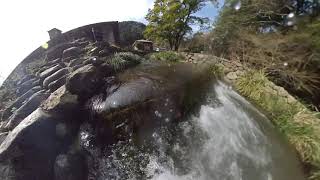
(130, 93)
(55, 76)
(31, 148)
(60, 102)
(71, 53)
(87, 80)
(31, 105)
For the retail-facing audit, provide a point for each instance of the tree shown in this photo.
(171, 20)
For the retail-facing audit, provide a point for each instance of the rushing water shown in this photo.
(226, 138)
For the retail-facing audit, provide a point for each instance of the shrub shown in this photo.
(167, 56)
(123, 60)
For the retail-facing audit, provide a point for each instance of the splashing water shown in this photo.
(227, 139)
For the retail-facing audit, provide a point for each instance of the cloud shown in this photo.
(24, 24)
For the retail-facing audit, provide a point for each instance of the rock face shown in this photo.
(31, 105)
(61, 101)
(86, 80)
(71, 53)
(39, 129)
(55, 76)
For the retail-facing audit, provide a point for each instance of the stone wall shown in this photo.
(234, 70)
(109, 31)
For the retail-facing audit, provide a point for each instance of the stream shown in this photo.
(224, 137)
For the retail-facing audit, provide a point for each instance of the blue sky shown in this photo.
(24, 24)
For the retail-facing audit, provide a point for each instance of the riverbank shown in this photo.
(293, 119)
(300, 125)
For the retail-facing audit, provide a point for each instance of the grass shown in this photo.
(169, 56)
(300, 125)
(123, 60)
(217, 70)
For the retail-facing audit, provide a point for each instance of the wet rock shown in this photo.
(71, 166)
(30, 149)
(31, 105)
(18, 102)
(57, 83)
(129, 93)
(71, 53)
(55, 76)
(49, 71)
(85, 81)
(61, 101)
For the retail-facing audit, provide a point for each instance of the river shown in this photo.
(223, 138)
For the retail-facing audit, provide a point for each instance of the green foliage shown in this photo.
(123, 60)
(239, 35)
(196, 44)
(170, 20)
(217, 70)
(168, 56)
(300, 125)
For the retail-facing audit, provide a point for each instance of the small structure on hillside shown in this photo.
(54, 32)
(143, 45)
